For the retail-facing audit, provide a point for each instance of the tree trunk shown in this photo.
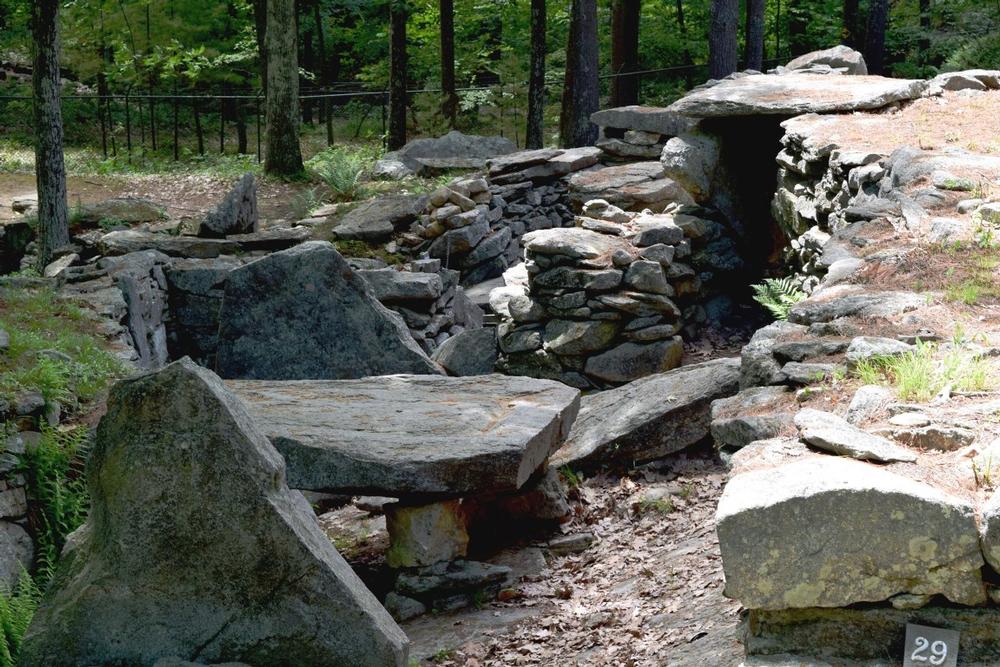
(722, 38)
(398, 11)
(449, 101)
(581, 90)
(534, 137)
(284, 156)
(754, 52)
(852, 28)
(625, 51)
(260, 25)
(924, 43)
(688, 62)
(309, 64)
(50, 170)
(322, 74)
(797, 19)
(878, 21)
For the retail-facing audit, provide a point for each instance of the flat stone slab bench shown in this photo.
(412, 435)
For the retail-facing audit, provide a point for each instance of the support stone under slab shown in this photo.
(868, 632)
(426, 534)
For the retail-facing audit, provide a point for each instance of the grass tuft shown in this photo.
(922, 374)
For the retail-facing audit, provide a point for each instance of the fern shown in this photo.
(778, 295)
(57, 493)
(17, 608)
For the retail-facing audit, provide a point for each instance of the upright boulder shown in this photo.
(196, 547)
(839, 57)
(304, 314)
(236, 214)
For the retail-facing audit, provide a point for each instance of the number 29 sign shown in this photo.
(930, 647)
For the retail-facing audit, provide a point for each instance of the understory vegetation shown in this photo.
(778, 295)
(54, 350)
(924, 373)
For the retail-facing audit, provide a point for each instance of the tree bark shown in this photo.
(581, 90)
(878, 22)
(625, 51)
(309, 64)
(797, 19)
(322, 66)
(688, 62)
(534, 137)
(449, 101)
(50, 170)
(284, 155)
(722, 45)
(924, 43)
(260, 25)
(398, 11)
(754, 52)
(852, 28)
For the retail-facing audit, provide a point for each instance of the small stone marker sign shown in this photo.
(930, 646)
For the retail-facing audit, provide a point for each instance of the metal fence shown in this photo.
(135, 122)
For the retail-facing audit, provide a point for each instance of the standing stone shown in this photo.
(236, 214)
(425, 534)
(196, 547)
(631, 361)
(472, 352)
(303, 314)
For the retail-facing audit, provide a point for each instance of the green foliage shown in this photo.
(778, 295)
(54, 349)
(57, 492)
(353, 248)
(17, 608)
(921, 374)
(344, 170)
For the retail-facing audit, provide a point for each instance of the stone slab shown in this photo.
(410, 435)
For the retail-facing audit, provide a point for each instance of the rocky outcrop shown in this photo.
(797, 536)
(410, 435)
(649, 418)
(433, 155)
(304, 314)
(162, 568)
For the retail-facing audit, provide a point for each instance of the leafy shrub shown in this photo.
(778, 295)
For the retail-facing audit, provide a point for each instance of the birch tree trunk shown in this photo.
(50, 170)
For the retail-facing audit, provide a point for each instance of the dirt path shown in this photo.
(648, 592)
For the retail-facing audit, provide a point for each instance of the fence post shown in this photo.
(258, 129)
(104, 130)
(128, 127)
(222, 125)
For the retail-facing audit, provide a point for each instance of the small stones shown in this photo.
(570, 544)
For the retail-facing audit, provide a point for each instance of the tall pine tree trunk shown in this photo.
(625, 51)
(534, 138)
(852, 32)
(284, 155)
(878, 21)
(50, 170)
(449, 101)
(581, 90)
(722, 46)
(309, 64)
(397, 74)
(754, 52)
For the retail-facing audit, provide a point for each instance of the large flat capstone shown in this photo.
(402, 435)
(305, 314)
(650, 417)
(794, 94)
(196, 547)
(825, 531)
